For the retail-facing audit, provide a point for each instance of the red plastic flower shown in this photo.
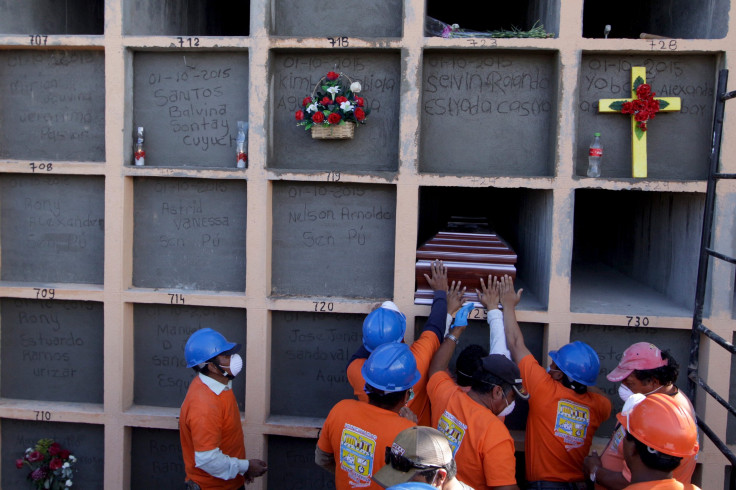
(333, 118)
(54, 449)
(55, 464)
(34, 456)
(653, 107)
(64, 454)
(359, 101)
(299, 115)
(340, 99)
(19, 464)
(318, 118)
(644, 91)
(326, 101)
(332, 75)
(306, 101)
(38, 474)
(359, 114)
(641, 116)
(627, 108)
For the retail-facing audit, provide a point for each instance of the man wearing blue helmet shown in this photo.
(387, 325)
(564, 410)
(211, 435)
(355, 434)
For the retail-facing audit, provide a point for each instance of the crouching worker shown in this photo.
(659, 434)
(212, 442)
(352, 440)
(420, 454)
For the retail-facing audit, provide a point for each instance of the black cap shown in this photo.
(503, 368)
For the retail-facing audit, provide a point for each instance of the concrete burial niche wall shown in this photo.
(635, 251)
(189, 234)
(189, 105)
(156, 460)
(333, 240)
(53, 105)
(611, 341)
(54, 347)
(186, 18)
(52, 228)
(52, 17)
(161, 374)
(376, 143)
(526, 224)
(291, 465)
(85, 441)
(309, 356)
(505, 103)
(666, 18)
(352, 18)
(678, 143)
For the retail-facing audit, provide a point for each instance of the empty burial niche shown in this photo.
(315, 18)
(635, 253)
(611, 341)
(51, 17)
(525, 225)
(186, 18)
(530, 18)
(656, 19)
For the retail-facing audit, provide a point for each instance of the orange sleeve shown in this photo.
(355, 378)
(533, 375)
(204, 424)
(324, 435)
(423, 349)
(499, 462)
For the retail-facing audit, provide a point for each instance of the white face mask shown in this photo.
(236, 364)
(509, 408)
(624, 392)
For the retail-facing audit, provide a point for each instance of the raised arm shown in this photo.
(489, 296)
(514, 338)
(442, 357)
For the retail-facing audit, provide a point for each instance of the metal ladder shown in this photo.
(706, 253)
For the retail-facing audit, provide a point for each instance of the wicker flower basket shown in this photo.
(337, 132)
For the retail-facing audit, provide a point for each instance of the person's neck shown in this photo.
(453, 484)
(648, 474)
(479, 399)
(217, 377)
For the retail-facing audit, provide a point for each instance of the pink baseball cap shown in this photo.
(640, 356)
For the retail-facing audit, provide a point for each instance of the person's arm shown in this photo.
(438, 282)
(593, 469)
(442, 357)
(220, 465)
(514, 338)
(455, 297)
(325, 460)
(489, 297)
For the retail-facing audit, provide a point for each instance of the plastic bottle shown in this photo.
(595, 154)
(140, 154)
(240, 145)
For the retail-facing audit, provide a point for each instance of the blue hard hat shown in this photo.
(578, 361)
(205, 344)
(383, 326)
(411, 485)
(391, 367)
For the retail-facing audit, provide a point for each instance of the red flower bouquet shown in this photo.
(333, 108)
(644, 107)
(49, 465)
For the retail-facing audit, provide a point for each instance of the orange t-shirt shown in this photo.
(560, 425)
(208, 421)
(423, 349)
(669, 484)
(613, 456)
(357, 434)
(481, 443)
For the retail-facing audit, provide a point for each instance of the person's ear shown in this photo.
(439, 478)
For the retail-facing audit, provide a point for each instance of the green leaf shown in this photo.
(308, 126)
(616, 105)
(638, 132)
(662, 104)
(327, 112)
(637, 82)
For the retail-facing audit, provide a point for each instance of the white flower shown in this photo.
(66, 465)
(72, 458)
(346, 106)
(312, 108)
(355, 87)
(333, 90)
(68, 483)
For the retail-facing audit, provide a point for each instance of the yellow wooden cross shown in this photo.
(638, 137)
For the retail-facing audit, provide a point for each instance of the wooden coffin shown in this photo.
(468, 258)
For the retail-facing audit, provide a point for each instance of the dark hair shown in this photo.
(654, 459)
(384, 399)
(204, 369)
(428, 475)
(665, 375)
(578, 388)
(468, 362)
